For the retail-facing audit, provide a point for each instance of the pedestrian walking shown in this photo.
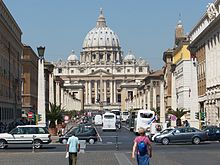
(72, 148)
(142, 148)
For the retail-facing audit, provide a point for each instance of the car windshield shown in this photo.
(109, 116)
(125, 113)
(116, 112)
(146, 115)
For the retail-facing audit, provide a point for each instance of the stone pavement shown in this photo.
(87, 158)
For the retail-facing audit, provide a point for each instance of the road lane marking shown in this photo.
(98, 134)
(122, 159)
(126, 128)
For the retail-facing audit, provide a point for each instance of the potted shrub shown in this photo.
(54, 114)
(179, 113)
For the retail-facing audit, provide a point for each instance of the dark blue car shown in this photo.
(213, 133)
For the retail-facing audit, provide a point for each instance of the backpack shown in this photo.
(142, 148)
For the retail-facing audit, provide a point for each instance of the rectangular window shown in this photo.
(128, 70)
(59, 70)
(119, 98)
(140, 69)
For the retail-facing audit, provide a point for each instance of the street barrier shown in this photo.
(82, 146)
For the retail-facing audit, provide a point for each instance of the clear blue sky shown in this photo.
(144, 26)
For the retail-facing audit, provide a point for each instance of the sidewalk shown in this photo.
(87, 158)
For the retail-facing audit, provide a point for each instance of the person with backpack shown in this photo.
(142, 147)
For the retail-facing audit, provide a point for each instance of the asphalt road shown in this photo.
(104, 152)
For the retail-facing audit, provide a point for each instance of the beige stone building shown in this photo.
(10, 66)
(168, 68)
(96, 77)
(29, 80)
(205, 46)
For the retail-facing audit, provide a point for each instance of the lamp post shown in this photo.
(41, 87)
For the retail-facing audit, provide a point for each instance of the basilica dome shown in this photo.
(72, 57)
(101, 35)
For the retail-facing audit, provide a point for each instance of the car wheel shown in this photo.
(91, 141)
(165, 141)
(64, 141)
(3, 144)
(196, 140)
(37, 144)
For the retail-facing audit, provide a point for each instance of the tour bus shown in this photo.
(109, 121)
(124, 116)
(144, 119)
(98, 120)
(117, 112)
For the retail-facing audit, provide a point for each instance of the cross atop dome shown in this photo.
(101, 20)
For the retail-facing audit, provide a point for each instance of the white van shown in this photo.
(124, 116)
(98, 120)
(144, 119)
(109, 121)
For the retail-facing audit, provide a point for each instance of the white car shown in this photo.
(26, 134)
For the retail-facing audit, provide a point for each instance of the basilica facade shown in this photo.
(96, 77)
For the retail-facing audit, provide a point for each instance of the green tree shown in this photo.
(179, 113)
(55, 113)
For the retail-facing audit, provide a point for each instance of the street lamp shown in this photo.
(40, 51)
(41, 87)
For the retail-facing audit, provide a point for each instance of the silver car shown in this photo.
(179, 135)
(26, 134)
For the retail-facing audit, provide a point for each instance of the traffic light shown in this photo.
(197, 115)
(202, 114)
(39, 117)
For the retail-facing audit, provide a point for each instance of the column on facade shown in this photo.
(115, 92)
(218, 58)
(148, 99)
(173, 95)
(139, 100)
(89, 92)
(111, 91)
(62, 97)
(105, 91)
(162, 106)
(81, 98)
(96, 91)
(51, 88)
(144, 99)
(86, 92)
(154, 97)
(136, 97)
(57, 93)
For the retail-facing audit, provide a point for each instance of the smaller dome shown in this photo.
(72, 57)
(130, 56)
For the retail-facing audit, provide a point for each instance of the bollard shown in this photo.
(33, 147)
(116, 139)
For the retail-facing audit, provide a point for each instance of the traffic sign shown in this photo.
(30, 115)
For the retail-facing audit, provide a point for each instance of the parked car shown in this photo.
(179, 135)
(26, 134)
(83, 132)
(213, 133)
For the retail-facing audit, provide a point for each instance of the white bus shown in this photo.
(124, 116)
(98, 120)
(109, 121)
(117, 112)
(144, 119)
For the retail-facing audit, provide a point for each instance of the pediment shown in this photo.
(100, 72)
